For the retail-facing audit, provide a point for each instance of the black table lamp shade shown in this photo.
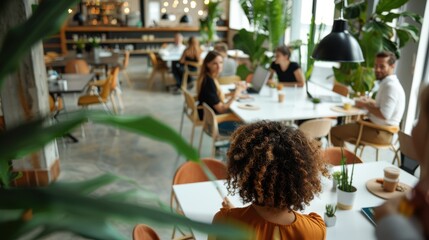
(338, 46)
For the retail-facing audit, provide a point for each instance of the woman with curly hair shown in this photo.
(276, 169)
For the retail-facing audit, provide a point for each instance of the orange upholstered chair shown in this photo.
(332, 155)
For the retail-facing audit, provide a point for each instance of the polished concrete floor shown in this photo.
(149, 163)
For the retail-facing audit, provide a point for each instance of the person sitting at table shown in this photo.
(192, 53)
(209, 91)
(288, 73)
(387, 108)
(175, 48)
(229, 64)
(276, 169)
(393, 219)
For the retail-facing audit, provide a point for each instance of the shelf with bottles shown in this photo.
(129, 40)
(106, 13)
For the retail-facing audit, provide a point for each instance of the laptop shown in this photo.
(260, 77)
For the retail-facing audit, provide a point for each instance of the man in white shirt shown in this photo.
(387, 108)
(175, 48)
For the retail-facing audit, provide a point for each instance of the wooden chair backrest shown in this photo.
(153, 59)
(229, 79)
(114, 72)
(341, 89)
(332, 155)
(77, 66)
(144, 232)
(191, 172)
(209, 121)
(316, 128)
(191, 107)
(190, 72)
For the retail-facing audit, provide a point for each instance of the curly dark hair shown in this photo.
(274, 165)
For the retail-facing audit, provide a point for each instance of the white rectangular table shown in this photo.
(296, 106)
(201, 201)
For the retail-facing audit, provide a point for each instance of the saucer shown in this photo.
(376, 188)
(342, 110)
(248, 106)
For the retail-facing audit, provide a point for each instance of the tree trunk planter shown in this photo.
(345, 200)
(330, 221)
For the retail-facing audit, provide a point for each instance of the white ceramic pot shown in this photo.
(330, 221)
(345, 200)
(334, 184)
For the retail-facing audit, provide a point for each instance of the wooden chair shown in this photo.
(406, 154)
(158, 67)
(191, 172)
(210, 126)
(124, 68)
(55, 105)
(190, 109)
(77, 66)
(187, 72)
(317, 128)
(144, 232)
(340, 89)
(115, 90)
(104, 95)
(332, 155)
(359, 143)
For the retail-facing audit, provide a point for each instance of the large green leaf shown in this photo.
(411, 30)
(371, 43)
(387, 5)
(55, 208)
(403, 37)
(245, 41)
(243, 71)
(355, 10)
(46, 20)
(277, 21)
(391, 46)
(31, 136)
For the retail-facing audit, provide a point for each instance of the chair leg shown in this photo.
(192, 134)
(115, 108)
(181, 120)
(213, 148)
(151, 79)
(127, 78)
(201, 141)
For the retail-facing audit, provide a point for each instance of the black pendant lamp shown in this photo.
(185, 19)
(339, 45)
(165, 16)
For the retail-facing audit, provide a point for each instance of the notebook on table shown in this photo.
(368, 212)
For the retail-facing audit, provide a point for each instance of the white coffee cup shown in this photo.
(62, 84)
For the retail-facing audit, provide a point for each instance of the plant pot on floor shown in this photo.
(345, 200)
(330, 221)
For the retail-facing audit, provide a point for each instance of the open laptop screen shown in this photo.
(260, 77)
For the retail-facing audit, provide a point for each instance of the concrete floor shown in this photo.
(149, 163)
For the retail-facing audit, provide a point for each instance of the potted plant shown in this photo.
(269, 19)
(346, 191)
(375, 32)
(336, 177)
(329, 217)
(208, 24)
(315, 102)
(80, 46)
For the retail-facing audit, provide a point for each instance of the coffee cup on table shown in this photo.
(281, 97)
(391, 179)
(62, 84)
